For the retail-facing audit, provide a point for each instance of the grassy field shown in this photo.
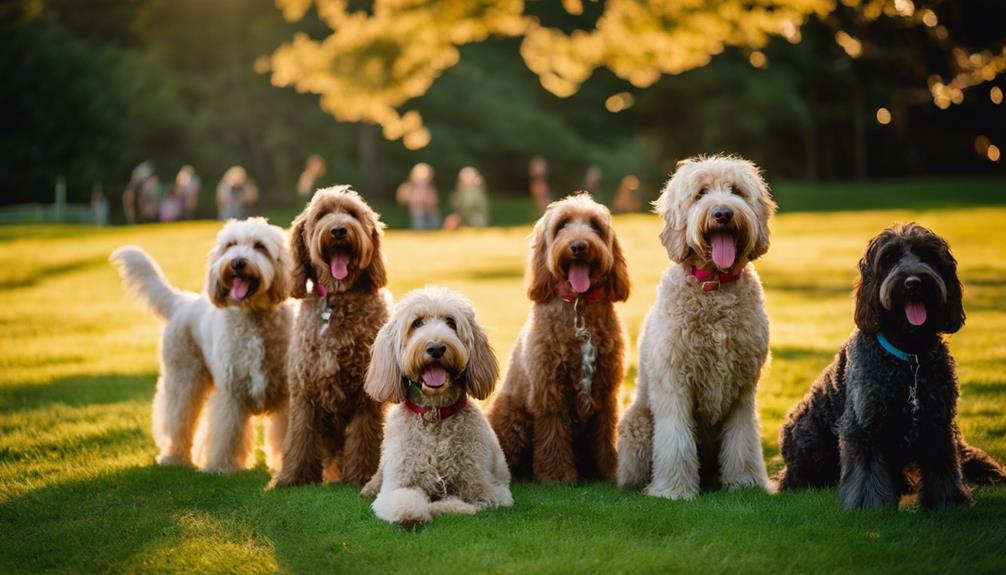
(79, 491)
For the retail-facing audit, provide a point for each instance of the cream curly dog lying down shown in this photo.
(705, 339)
(439, 454)
(232, 341)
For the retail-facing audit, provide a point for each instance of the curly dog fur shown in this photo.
(856, 425)
(335, 428)
(702, 352)
(439, 454)
(227, 347)
(548, 426)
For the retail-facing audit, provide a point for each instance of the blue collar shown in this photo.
(889, 348)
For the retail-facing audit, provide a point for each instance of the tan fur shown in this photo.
(228, 352)
(430, 466)
(335, 428)
(547, 428)
(701, 352)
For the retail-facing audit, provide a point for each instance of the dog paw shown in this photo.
(169, 460)
(220, 468)
(752, 480)
(948, 500)
(672, 492)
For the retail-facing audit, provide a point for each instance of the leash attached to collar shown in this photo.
(711, 280)
(588, 353)
(326, 312)
(913, 361)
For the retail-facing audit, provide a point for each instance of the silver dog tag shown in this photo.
(326, 317)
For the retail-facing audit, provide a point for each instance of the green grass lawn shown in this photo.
(79, 491)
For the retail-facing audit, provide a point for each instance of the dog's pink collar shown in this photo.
(443, 412)
(711, 281)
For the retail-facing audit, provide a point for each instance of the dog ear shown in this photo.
(867, 313)
(279, 289)
(483, 370)
(301, 268)
(953, 311)
(673, 235)
(768, 208)
(376, 270)
(215, 288)
(384, 376)
(540, 287)
(620, 283)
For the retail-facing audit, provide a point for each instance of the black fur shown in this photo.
(856, 427)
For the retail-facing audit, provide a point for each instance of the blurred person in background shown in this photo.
(314, 168)
(187, 187)
(627, 197)
(540, 191)
(592, 181)
(181, 202)
(419, 193)
(469, 200)
(99, 206)
(236, 194)
(140, 201)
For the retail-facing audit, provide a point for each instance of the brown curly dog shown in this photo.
(556, 413)
(335, 428)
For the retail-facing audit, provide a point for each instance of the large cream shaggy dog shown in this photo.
(705, 340)
(339, 274)
(228, 344)
(439, 454)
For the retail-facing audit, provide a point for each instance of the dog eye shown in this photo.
(451, 323)
(561, 224)
(259, 246)
(596, 226)
(230, 244)
(703, 191)
(736, 191)
(417, 323)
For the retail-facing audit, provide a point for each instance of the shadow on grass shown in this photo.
(77, 391)
(177, 519)
(51, 272)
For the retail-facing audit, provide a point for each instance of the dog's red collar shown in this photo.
(593, 295)
(711, 281)
(443, 412)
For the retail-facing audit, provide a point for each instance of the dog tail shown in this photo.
(143, 278)
(978, 467)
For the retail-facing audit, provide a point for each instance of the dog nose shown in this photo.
(913, 283)
(436, 350)
(723, 215)
(238, 264)
(579, 247)
(339, 233)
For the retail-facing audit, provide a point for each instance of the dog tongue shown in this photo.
(724, 250)
(579, 277)
(239, 288)
(338, 264)
(434, 376)
(915, 311)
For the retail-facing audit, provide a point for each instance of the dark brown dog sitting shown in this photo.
(880, 420)
(555, 416)
(335, 428)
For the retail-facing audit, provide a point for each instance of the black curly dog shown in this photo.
(880, 420)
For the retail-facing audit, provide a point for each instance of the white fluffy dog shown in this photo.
(231, 341)
(439, 454)
(705, 340)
